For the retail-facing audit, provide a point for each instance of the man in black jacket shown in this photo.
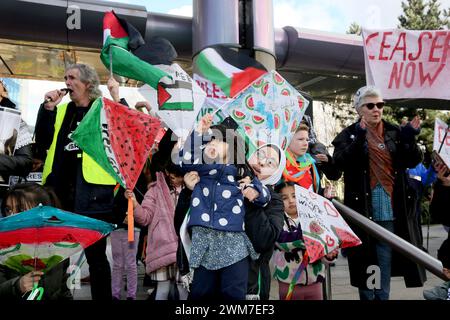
(81, 185)
(374, 155)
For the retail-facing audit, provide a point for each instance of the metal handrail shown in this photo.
(405, 248)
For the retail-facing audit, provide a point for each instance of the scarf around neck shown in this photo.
(297, 170)
(380, 161)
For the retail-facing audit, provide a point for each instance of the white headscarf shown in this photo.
(276, 176)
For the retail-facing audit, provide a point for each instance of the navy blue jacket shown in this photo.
(217, 201)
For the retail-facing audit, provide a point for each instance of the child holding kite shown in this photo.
(220, 247)
(157, 211)
(297, 278)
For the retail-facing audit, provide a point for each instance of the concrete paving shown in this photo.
(340, 281)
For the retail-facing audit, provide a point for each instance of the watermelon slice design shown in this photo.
(248, 129)
(284, 144)
(315, 249)
(294, 126)
(238, 115)
(285, 92)
(257, 119)
(132, 134)
(249, 103)
(314, 227)
(287, 115)
(259, 83)
(276, 121)
(301, 103)
(265, 89)
(346, 238)
(278, 79)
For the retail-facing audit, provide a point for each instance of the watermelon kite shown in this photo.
(268, 111)
(119, 139)
(323, 228)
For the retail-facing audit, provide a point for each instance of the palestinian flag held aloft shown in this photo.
(151, 63)
(119, 37)
(230, 70)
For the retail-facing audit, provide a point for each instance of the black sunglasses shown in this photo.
(371, 105)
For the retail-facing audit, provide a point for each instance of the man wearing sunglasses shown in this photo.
(374, 155)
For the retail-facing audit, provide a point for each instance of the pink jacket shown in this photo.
(157, 212)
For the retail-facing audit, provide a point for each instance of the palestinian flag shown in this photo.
(119, 37)
(230, 70)
(175, 94)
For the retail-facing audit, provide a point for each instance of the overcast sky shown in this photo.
(325, 15)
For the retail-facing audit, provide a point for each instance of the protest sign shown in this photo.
(408, 64)
(323, 227)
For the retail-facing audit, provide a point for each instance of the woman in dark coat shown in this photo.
(374, 156)
(439, 210)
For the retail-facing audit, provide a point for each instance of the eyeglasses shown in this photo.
(270, 162)
(371, 105)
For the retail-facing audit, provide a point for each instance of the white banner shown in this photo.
(408, 64)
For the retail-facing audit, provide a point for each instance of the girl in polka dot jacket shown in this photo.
(220, 248)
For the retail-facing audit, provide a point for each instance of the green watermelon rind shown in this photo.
(287, 115)
(275, 76)
(285, 90)
(294, 126)
(249, 130)
(259, 83)
(237, 116)
(265, 89)
(276, 121)
(247, 98)
(256, 121)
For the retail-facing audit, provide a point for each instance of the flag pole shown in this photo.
(130, 220)
(110, 63)
(443, 140)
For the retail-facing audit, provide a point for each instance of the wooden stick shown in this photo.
(130, 220)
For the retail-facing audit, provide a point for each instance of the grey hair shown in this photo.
(363, 93)
(88, 75)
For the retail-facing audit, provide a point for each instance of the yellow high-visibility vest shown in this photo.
(92, 172)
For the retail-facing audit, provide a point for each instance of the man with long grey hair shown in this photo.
(374, 155)
(81, 184)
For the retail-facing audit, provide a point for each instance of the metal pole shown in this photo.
(407, 249)
(328, 282)
(263, 32)
(214, 22)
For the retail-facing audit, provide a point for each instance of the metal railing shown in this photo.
(403, 247)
